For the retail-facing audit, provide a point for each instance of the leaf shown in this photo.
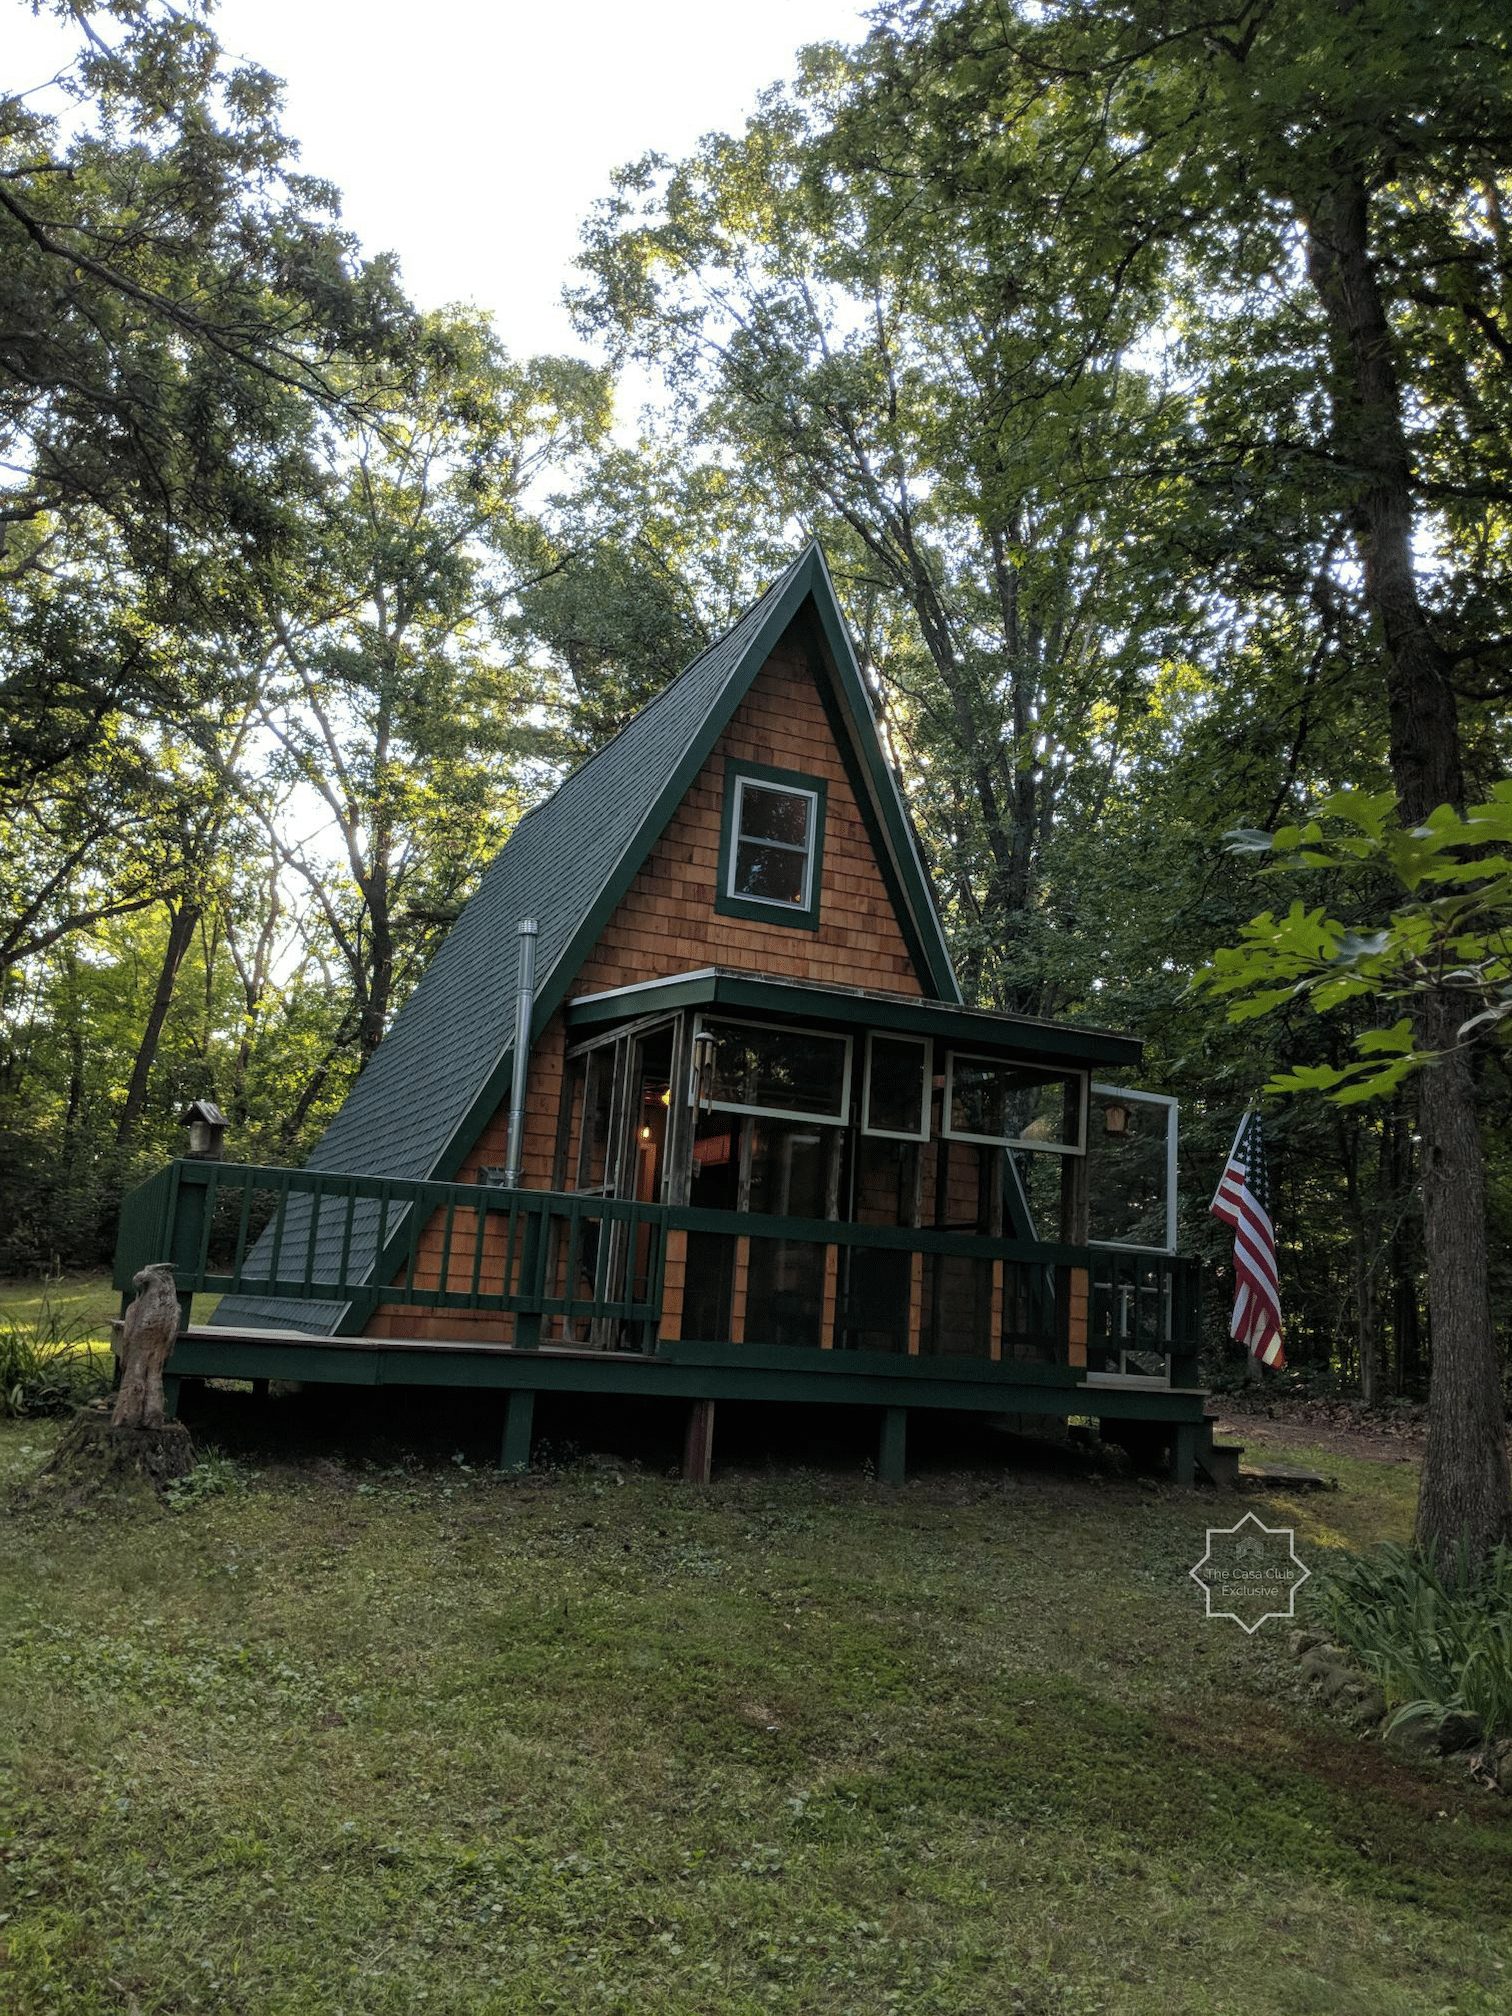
(1248, 840)
(1395, 1041)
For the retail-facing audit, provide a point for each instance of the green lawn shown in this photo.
(80, 1304)
(381, 1741)
(83, 1303)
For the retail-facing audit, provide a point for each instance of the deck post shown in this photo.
(1184, 1453)
(519, 1416)
(532, 1282)
(698, 1445)
(171, 1385)
(188, 1234)
(892, 1445)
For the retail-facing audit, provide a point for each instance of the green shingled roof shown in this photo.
(441, 1071)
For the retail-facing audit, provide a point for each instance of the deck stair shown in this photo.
(1218, 1461)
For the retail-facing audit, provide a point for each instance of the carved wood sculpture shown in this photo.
(147, 1338)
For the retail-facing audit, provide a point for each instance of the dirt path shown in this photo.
(1324, 1425)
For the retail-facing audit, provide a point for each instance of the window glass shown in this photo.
(779, 1070)
(995, 1101)
(773, 847)
(1130, 1153)
(897, 1086)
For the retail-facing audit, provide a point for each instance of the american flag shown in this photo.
(1243, 1201)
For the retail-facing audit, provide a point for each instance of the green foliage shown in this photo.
(1453, 934)
(1435, 1641)
(46, 1364)
(215, 1475)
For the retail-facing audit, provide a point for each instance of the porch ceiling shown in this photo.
(855, 1008)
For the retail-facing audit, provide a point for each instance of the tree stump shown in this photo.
(96, 1459)
(112, 1445)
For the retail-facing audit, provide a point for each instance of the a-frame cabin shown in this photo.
(763, 1149)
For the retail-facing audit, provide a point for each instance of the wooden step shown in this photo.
(1289, 1476)
(1219, 1463)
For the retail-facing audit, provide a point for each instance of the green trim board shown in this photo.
(698, 1372)
(855, 1008)
(798, 916)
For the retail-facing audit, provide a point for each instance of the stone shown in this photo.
(1459, 1731)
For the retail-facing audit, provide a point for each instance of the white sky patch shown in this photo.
(473, 139)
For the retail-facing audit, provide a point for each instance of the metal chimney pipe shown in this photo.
(524, 1010)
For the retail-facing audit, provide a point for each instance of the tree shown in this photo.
(391, 693)
(166, 279)
(1329, 188)
(922, 402)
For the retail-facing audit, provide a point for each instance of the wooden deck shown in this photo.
(700, 1374)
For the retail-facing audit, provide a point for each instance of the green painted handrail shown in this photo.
(308, 1235)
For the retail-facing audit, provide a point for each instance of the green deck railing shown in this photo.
(304, 1235)
(298, 1235)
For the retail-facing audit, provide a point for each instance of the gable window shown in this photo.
(772, 841)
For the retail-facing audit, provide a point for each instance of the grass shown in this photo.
(347, 1738)
(84, 1302)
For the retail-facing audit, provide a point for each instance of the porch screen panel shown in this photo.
(874, 1308)
(707, 1289)
(784, 1292)
(958, 1306)
(789, 1168)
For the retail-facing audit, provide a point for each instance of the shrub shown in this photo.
(46, 1364)
(1435, 1642)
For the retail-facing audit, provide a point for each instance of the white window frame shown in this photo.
(1077, 1147)
(926, 1044)
(1173, 1122)
(836, 1119)
(784, 846)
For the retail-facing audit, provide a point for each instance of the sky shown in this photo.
(472, 139)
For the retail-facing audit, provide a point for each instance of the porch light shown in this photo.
(1115, 1118)
(207, 1130)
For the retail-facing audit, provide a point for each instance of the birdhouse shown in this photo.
(207, 1130)
(1115, 1118)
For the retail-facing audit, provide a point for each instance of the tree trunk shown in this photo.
(1466, 1491)
(183, 923)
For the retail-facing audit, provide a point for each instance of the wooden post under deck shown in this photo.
(915, 1302)
(892, 1446)
(519, 1416)
(698, 1446)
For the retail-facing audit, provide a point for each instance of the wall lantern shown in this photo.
(207, 1130)
(1115, 1118)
